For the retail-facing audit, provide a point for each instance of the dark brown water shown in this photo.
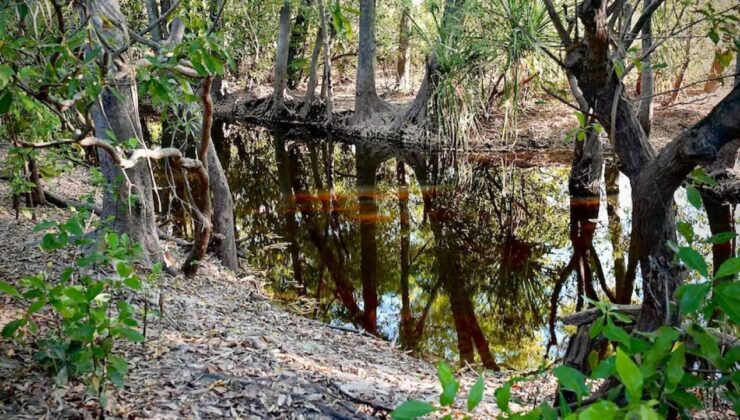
(453, 255)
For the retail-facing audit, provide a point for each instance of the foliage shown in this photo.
(89, 304)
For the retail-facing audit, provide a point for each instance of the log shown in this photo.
(590, 315)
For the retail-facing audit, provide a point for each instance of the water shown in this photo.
(451, 255)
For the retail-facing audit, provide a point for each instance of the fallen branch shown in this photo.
(590, 315)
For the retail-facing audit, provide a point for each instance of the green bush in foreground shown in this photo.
(90, 315)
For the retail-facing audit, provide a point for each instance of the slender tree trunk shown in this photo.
(297, 42)
(281, 60)
(223, 214)
(327, 89)
(202, 199)
(129, 202)
(403, 64)
(37, 193)
(290, 211)
(678, 81)
(647, 88)
(367, 101)
(416, 112)
(152, 14)
(312, 78)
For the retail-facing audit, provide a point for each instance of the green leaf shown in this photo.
(686, 230)
(674, 367)
(614, 333)
(692, 194)
(503, 396)
(600, 410)
(572, 380)
(596, 327)
(701, 177)
(728, 268)
(450, 386)
(630, 375)
(36, 306)
(8, 288)
(476, 394)
(721, 238)
(685, 399)
(11, 327)
(132, 335)
(714, 36)
(6, 98)
(111, 238)
(693, 260)
(133, 282)
(45, 225)
(691, 296)
(123, 269)
(62, 377)
(606, 369)
(727, 296)
(412, 409)
(75, 294)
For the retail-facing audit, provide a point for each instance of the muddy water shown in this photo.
(451, 255)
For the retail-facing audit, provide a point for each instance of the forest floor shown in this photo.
(221, 349)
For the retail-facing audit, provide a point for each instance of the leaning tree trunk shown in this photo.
(403, 61)
(312, 76)
(367, 101)
(223, 212)
(281, 61)
(129, 203)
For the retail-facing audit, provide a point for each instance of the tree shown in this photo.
(129, 202)
(367, 101)
(403, 60)
(280, 81)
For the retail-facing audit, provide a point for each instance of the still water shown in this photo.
(455, 255)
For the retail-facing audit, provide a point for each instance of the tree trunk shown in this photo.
(117, 111)
(289, 210)
(327, 89)
(406, 328)
(297, 42)
(152, 14)
(202, 199)
(367, 101)
(281, 61)
(678, 81)
(312, 77)
(403, 64)
(223, 214)
(647, 88)
(37, 193)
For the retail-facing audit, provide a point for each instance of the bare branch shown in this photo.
(555, 18)
(641, 21)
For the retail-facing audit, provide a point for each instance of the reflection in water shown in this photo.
(448, 256)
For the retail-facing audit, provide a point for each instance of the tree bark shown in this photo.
(367, 101)
(281, 60)
(152, 14)
(645, 110)
(297, 42)
(327, 89)
(312, 77)
(223, 214)
(403, 61)
(129, 202)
